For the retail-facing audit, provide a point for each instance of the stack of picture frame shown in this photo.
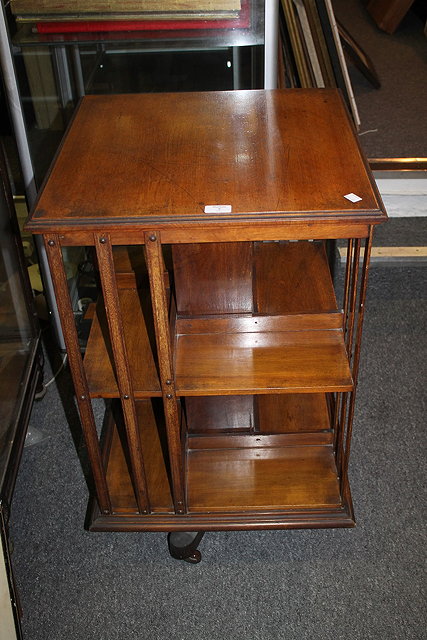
(311, 49)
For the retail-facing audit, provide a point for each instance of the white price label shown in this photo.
(218, 208)
(352, 197)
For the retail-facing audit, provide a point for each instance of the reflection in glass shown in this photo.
(16, 334)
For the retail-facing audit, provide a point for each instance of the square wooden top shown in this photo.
(155, 160)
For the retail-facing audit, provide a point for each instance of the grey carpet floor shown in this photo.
(359, 584)
(392, 117)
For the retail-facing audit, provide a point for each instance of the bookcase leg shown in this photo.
(183, 545)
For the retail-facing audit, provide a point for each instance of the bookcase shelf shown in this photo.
(99, 361)
(265, 414)
(117, 470)
(254, 478)
(270, 362)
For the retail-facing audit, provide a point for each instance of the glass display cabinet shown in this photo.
(56, 68)
(46, 73)
(20, 370)
(20, 357)
(227, 361)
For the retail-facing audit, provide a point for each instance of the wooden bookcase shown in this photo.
(228, 364)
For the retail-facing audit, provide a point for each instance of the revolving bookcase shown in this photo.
(224, 346)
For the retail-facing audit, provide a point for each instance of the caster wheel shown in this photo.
(183, 545)
(194, 558)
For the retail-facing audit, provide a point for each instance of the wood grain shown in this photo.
(216, 414)
(155, 463)
(246, 479)
(130, 267)
(81, 386)
(257, 323)
(164, 157)
(113, 312)
(292, 413)
(293, 277)
(266, 414)
(245, 363)
(258, 441)
(254, 228)
(213, 278)
(98, 360)
(249, 356)
(156, 271)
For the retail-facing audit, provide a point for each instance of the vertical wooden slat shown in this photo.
(353, 300)
(358, 344)
(349, 331)
(347, 279)
(341, 430)
(160, 311)
(340, 397)
(124, 382)
(59, 279)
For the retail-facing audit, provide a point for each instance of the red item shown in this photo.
(242, 22)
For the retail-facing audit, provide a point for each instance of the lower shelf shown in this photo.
(239, 481)
(155, 456)
(256, 478)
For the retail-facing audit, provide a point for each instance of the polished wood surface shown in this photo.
(257, 323)
(259, 440)
(99, 361)
(81, 387)
(231, 367)
(152, 434)
(161, 158)
(265, 277)
(130, 267)
(236, 363)
(104, 255)
(217, 414)
(213, 278)
(261, 228)
(266, 414)
(253, 353)
(294, 291)
(159, 300)
(275, 478)
(293, 277)
(293, 413)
